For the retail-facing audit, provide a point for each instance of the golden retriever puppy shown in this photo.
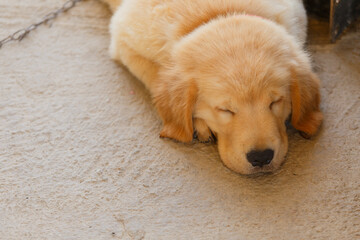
(235, 69)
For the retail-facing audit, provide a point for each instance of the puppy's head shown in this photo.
(243, 76)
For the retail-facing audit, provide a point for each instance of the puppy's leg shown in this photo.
(145, 70)
(113, 4)
(203, 131)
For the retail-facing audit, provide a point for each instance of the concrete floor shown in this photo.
(80, 156)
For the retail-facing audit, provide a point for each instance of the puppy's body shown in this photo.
(233, 67)
(149, 29)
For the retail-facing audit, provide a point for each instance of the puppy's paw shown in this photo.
(203, 132)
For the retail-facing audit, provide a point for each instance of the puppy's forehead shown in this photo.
(243, 87)
(220, 101)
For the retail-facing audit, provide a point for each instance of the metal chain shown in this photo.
(20, 34)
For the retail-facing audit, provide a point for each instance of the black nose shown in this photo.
(260, 158)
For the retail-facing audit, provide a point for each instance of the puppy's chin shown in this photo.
(265, 169)
(243, 167)
(250, 170)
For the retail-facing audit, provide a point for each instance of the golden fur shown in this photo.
(234, 68)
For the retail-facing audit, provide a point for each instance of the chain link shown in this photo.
(20, 34)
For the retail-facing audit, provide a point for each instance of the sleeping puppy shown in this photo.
(235, 69)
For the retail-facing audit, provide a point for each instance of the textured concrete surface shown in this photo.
(80, 156)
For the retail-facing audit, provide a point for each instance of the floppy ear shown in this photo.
(174, 99)
(305, 97)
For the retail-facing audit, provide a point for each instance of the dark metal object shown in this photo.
(339, 13)
(20, 34)
(342, 14)
(319, 8)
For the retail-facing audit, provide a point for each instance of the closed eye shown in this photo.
(224, 110)
(275, 102)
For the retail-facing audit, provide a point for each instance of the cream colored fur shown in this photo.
(234, 68)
